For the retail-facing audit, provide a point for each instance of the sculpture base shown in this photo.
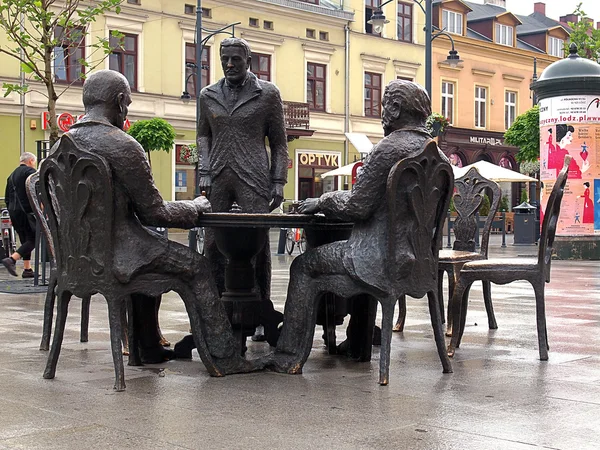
(577, 247)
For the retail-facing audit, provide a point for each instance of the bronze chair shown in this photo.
(32, 188)
(77, 194)
(503, 271)
(469, 191)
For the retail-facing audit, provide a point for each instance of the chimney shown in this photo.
(539, 7)
(501, 3)
(569, 18)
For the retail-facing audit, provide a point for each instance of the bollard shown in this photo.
(503, 229)
(281, 244)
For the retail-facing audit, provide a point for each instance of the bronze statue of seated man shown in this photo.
(355, 266)
(138, 252)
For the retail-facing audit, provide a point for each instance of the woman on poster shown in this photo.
(588, 205)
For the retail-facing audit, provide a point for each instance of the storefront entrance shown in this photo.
(310, 166)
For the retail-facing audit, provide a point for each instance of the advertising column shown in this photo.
(569, 101)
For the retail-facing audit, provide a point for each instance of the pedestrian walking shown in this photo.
(21, 215)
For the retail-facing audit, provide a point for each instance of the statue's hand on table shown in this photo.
(202, 204)
(309, 206)
(204, 183)
(276, 195)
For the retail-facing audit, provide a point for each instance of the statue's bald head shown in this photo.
(107, 92)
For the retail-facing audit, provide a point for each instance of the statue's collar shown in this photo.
(413, 128)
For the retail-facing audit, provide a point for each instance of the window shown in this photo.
(190, 57)
(134, 2)
(253, 22)
(323, 35)
(448, 101)
(189, 9)
(311, 34)
(372, 94)
(267, 25)
(480, 106)
(315, 86)
(510, 108)
(123, 59)
(312, 2)
(404, 22)
(69, 54)
(556, 47)
(207, 13)
(504, 35)
(370, 7)
(452, 21)
(261, 66)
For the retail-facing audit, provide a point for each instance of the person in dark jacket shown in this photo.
(20, 214)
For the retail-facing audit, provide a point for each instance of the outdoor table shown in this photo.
(240, 236)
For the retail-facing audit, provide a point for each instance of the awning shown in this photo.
(340, 171)
(493, 172)
(360, 142)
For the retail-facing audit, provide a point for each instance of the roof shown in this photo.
(525, 46)
(482, 12)
(475, 35)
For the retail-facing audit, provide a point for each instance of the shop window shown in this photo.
(261, 66)
(405, 19)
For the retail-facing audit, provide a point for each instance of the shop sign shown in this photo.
(66, 120)
(356, 170)
(319, 159)
(485, 140)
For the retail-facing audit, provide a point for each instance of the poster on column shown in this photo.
(570, 125)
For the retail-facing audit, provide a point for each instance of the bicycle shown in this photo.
(295, 236)
(9, 243)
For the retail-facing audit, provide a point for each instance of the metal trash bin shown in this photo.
(525, 224)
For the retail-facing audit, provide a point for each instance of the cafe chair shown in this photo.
(32, 189)
(503, 271)
(77, 193)
(469, 191)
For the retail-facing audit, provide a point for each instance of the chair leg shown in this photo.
(85, 318)
(441, 293)
(438, 331)
(49, 311)
(59, 331)
(453, 276)
(401, 314)
(115, 308)
(489, 307)
(540, 308)
(387, 312)
(134, 349)
(459, 312)
(126, 312)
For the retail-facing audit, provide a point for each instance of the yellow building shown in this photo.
(323, 55)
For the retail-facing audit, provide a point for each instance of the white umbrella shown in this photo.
(493, 172)
(340, 171)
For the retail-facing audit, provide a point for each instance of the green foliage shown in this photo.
(484, 209)
(32, 40)
(525, 134)
(451, 207)
(503, 203)
(585, 36)
(153, 134)
(439, 119)
(524, 196)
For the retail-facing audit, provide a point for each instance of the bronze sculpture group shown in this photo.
(98, 193)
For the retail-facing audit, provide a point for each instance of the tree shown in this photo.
(585, 36)
(35, 28)
(525, 134)
(153, 134)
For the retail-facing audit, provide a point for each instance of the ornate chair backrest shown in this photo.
(418, 194)
(32, 186)
(551, 220)
(468, 199)
(76, 191)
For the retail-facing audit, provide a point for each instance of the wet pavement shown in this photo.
(500, 395)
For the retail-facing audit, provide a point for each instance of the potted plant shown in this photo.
(189, 153)
(154, 134)
(437, 123)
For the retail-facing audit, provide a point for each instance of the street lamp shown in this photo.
(186, 97)
(378, 21)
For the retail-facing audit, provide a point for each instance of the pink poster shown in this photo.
(570, 125)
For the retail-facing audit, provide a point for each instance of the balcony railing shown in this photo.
(296, 114)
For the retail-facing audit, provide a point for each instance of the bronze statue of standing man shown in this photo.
(237, 113)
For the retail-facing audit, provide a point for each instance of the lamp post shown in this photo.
(378, 20)
(186, 97)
